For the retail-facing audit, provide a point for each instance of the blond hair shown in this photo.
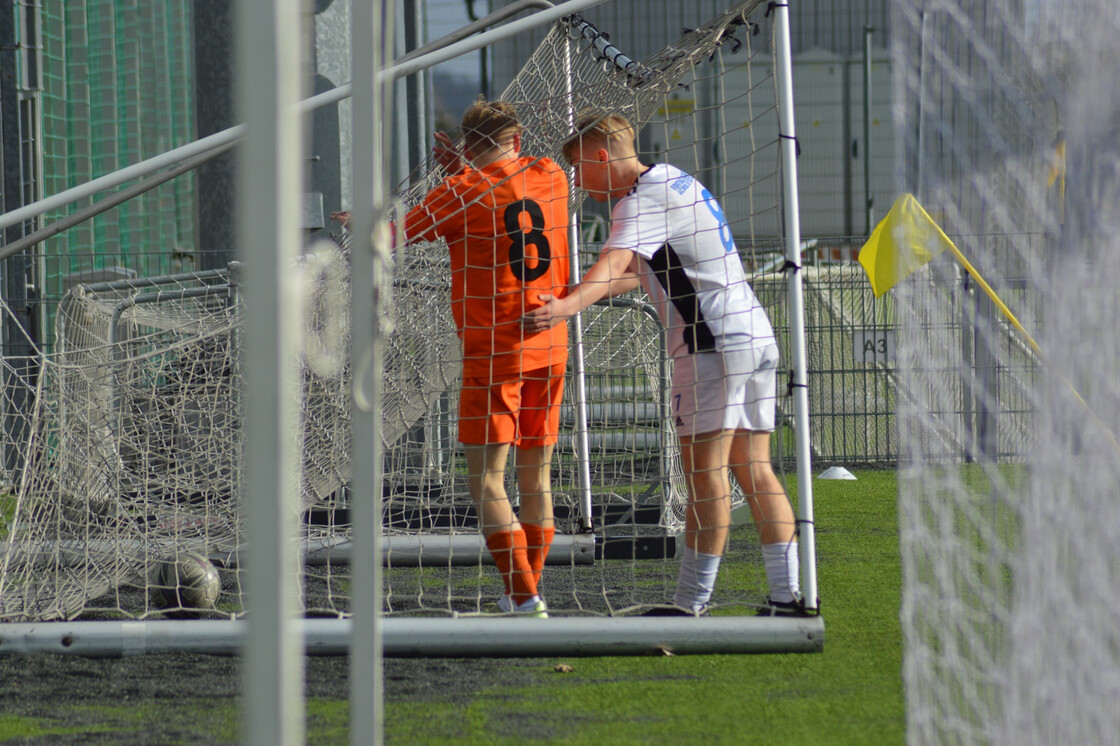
(611, 130)
(484, 122)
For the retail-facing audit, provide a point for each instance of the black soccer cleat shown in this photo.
(795, 608)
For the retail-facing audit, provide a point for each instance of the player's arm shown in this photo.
(447, 155)
(427, 221)
(612, 275)
(421, 220)
(625, 281)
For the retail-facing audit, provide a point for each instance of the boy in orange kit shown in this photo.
(505, 220)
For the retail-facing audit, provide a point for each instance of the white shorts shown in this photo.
(733, 390)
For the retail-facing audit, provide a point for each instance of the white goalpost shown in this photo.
(1008, 504)
(135, 446)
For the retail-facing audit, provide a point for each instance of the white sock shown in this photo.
(783, 571)
(696, 579)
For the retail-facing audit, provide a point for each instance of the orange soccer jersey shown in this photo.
(506, 226)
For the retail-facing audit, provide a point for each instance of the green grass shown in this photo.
(15, 727)
(849, 694)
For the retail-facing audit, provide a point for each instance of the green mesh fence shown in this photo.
(116, 90)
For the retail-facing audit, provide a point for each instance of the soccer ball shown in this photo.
(186, 585)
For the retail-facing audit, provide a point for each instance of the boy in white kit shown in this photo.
(669, 234)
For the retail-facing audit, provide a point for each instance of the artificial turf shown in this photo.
(849, 694)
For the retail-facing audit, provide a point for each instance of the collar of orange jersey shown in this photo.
(498, 163)
(502, 162)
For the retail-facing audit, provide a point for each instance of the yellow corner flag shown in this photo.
(908, 238)
(903, 241)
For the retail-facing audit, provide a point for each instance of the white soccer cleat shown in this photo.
(533, 607)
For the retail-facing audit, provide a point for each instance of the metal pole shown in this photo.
(413, 637)
(986, 391)
(915, 174)
(868, 199)
(583, 448)
(807, 535)
(270, 73)
(968, 364)
(233, 134)
(110, 202)
(372, 47)
(415, 90)
(499, 15)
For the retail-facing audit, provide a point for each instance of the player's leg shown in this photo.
(751, 465)
(486, 465)
(704, 462)
(698, 398)
(772, 513)
(534, 484)
(486, 429)
(535, 487)
(707, 520)
(539, 427)
(769, 505)
(504, 537)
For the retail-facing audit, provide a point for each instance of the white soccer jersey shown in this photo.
(690, 267)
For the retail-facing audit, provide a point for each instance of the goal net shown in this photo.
(1008, 499)
(132, 452)
(133, 448)
(711, 92)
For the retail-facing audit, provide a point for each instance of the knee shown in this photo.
(757, 478)
(766, 481)
(709, 484)
(492, 487)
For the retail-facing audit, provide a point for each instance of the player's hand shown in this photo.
(446, 154)
(343, 218)
(544, 317)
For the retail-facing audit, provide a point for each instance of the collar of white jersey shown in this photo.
(637, 180)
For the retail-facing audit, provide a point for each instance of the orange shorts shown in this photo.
(524, 411)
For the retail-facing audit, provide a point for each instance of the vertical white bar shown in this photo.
(788, 146)
(270, 69)
(579, 372)
(371, 49)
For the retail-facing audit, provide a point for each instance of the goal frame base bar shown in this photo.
(396, 551)
(414, 550)
(411, 637)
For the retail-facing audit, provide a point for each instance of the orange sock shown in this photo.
(539, 541)
(508, 548)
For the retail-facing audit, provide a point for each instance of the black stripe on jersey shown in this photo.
(669, 271)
